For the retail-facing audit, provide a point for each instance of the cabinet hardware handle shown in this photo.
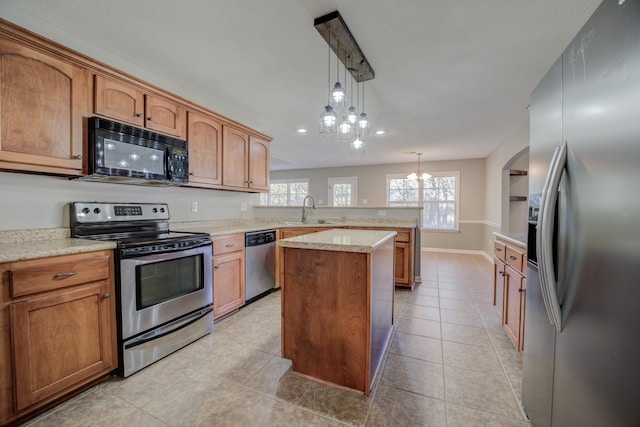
(498, 250)
(150, 119)
(138, 114)
(522, 290)
(502, 273)
(512, 257)
(215, 267)
(192, 173)
(228, 246)
(79, 157)
(107, 295)
(63, 275)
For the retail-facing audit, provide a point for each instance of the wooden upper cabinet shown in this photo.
(118, 101)
(204, 135)
(124, 103)
(42, 104)
(235, 157)
(258, 163)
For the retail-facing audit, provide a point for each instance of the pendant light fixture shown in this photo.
(336, 119)
(418, 175)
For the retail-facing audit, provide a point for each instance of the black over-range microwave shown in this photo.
(126, 154)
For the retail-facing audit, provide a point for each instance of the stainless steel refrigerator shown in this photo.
(581, 363)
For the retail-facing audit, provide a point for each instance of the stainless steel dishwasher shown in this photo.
(260, 264)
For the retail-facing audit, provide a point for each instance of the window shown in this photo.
(438, 195)
(342, 191)
(285, 192)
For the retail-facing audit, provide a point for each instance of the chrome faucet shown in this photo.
(305, 212)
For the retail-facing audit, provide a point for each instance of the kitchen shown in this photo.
(41, 202)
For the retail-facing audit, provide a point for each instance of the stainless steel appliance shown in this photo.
(583, 299)
(125, 154)
(163, 278)
(260, 264)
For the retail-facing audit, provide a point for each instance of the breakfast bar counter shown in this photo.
(337, 304)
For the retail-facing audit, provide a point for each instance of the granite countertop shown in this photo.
(519, 239)
(18, 245)
(32, 249)
(340, 240)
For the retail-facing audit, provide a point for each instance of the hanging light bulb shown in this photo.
(352, 112)
(338, 94)
(328, 118)
(345, 130)
(357, 147)
(363, 120)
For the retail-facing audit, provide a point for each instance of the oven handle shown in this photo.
(205, 250)
(169, 328)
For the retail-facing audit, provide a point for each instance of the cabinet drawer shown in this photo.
(228, 243)
(499, 250)
(50, 276)
(514, 258)
(403, 235)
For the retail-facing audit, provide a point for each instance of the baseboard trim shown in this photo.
(459, 251)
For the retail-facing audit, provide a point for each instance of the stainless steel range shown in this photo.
(163, 278)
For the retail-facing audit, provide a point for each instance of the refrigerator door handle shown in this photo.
(545, 236)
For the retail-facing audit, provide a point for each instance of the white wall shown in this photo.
(34, 201)
(515, 141)
(372, 187)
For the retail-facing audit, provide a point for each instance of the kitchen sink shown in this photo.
(318, 222)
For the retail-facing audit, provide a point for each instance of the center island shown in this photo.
(337, 304)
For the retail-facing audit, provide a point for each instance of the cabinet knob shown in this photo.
(139, 115)
(502, 273)
(512, 257)
(215, 267)
(150, 119)
(107, 295)
(498, 250)
(79, 157)
(192, 173)
(522, 290)
(230, 245)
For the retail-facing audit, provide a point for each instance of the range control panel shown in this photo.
(97, 212)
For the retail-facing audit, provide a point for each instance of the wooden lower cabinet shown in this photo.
(510, 286)
(58, 335)
(228, 274)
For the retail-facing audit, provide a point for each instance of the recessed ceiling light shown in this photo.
(381, 132)
(302, 130)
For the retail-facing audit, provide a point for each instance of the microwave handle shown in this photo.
(168, 164)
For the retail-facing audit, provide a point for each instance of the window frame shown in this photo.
(421, 202)
(351, 180)
(287, 181)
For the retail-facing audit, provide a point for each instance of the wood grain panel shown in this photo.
(325, 315)
(118, 101)
(235, 157)
(228, 243)
(204, 135)
(258, 163)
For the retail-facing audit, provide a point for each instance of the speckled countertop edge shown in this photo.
(519, 239)
(340, 240)
(18, 245)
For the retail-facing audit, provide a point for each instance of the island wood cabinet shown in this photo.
(228, 274)
(125, 103)
(58, 329)
(44, 100)
(245, 160)
(510, 287)
(403, 270)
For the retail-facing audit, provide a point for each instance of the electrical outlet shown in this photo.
(194, 206)
(243, 206)
(382, 213)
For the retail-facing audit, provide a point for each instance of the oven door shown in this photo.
(159, 288)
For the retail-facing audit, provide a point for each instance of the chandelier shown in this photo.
(337, 120)
(418, 175)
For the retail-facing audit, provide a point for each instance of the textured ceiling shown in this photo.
(452, 77)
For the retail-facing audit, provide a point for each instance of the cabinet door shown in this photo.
(42, 104)
(118, 101)
(523, 304)
(165, 116)
(235, 157)
(514, 299)
(258, 164)
(498, 287)
(204, 135)
(401, 270)
(59, 340)
(228, 283)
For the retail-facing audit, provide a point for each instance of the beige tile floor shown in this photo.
(449, 364)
